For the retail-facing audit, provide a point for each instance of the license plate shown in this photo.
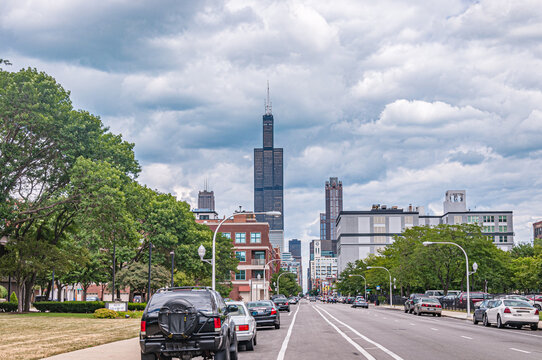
(254, 313)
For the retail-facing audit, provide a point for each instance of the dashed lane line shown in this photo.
(523, 351)
(434, 329)
(466, 337)
(287, 338)
(346, 337)
(387, 351)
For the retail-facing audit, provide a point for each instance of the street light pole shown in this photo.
(382, 267)
(265, 293)
(425, 243)
(172, 253)
(149, 275)
(365, 293)
(278, 280)
(213, 259)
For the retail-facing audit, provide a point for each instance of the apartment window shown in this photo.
(380, 240)
(240, 275)
(489, 228)
(503, 228)
(228, 235)
(256, 237)
(379, 219)
(473, 219)
(409, 220)
(255, 274)
(489, 218)
(458, 219)
(380, 230)
(503, 238)
(241, 256)
(240, 238)
(503, 218)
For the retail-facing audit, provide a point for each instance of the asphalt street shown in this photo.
(337, 331)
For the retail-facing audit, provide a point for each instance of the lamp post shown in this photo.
(474, 266)
(213, 260)
(149, 275)
(172, 253)
(365, 293)
(382, 267)
(264, 278)
(278, 280)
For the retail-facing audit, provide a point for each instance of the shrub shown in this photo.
(8, 307)
(13, 298)
(3, 292)
(105, 314)
(136, 306)
(131, 314)
(69, 306)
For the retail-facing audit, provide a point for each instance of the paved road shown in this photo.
(336, 331)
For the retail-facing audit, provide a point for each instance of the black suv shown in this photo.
(185, 322)
(281, 302)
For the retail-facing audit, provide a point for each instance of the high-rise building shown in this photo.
(334, 205)
(294, 247)
(537, 230)
(206, 199)
(322, 226)
(268, 179)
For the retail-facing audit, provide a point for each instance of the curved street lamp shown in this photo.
(213, 259)
(382, 267)
(278, 280)
(264, 278)
(474, 266)
(365, 293)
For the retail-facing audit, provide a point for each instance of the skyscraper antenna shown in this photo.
(268, 106)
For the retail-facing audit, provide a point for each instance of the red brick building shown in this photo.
(537, 230)
(253, 249)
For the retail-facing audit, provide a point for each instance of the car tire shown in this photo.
(434, 315)
(474, 321)
(249, 345)
(225, 353)
(255, 339)
(234, 348)
(419, 313)
(164, 357)
(406, 310)
(148, 356)
(486, 321)
(519, 326)
(277, 326)
(534, 327)
(439, 315)
(500, 325)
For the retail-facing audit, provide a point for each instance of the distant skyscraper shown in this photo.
(322, 226)
(334, 205)
(294, 247)
(268, 177)
(206, 199)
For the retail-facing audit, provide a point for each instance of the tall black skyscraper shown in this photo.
(268, 174)
(206, 199)
(294, 246)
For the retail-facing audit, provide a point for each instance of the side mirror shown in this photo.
(231, 308)
(477, 305)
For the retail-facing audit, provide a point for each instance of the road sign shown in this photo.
(377, 287)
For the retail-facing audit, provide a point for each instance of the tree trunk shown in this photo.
(29, 291)
(20, 296)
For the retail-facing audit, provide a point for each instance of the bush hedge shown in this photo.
(8, 307)
(79, 306)
(105, 314)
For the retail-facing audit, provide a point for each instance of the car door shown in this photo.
(493, 310)
(479, 313)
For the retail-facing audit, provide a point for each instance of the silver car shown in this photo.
(245, 325)
(427, 306)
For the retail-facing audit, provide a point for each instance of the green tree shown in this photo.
(287, 285)
(135, 276)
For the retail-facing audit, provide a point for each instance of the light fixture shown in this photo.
(201, 251)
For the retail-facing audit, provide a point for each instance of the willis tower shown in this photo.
(268, 180)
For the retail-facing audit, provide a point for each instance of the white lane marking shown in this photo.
(466, 337)
(289, 313)
(412, 324)
(523, 351)
(396, 320)
(287, 338)
(387, 351)
(434, 329)
(346, 337)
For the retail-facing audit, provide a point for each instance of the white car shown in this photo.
(511, 312)
(245, 325)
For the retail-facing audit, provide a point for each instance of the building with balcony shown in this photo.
(253, 250)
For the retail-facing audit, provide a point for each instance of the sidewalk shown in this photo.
(118, 350)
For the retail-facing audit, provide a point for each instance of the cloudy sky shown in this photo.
(402, 100)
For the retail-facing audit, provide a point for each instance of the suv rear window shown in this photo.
(200, 299)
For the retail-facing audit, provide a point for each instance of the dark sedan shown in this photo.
(282, 303)
(480, 310)
(265, 313)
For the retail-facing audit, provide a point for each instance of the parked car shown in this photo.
(282, 303)
(453, 293)
(475, 296)
(511, 312)
(434, 294)
(535, 300)
(427, 306)
(409, 303)
(187, 322)
(93, 298)
(245, 325)
(292, 300)
(479, 311)
(360, 302)
(265, 313)
(312, 299)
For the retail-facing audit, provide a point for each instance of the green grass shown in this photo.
(69, 315)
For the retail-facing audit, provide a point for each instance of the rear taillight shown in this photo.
(218, 324)
(507, 311)
(241, 328)
(286, 304)
(537, 312)
(273, 312)
(143, 328)
(438, 306)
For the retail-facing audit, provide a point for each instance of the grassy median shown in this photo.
(35, 336)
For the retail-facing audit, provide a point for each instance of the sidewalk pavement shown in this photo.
(453, 314)
(118, 350)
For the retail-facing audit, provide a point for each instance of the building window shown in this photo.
(409, 220)
(379, 219)
(473, 219)
(255, 274)
(503, 238)
(503, 218)
(503, 228)
(256, 237)
(380, 240)
(241, 256)
(458, 219)
(240, 275)
(227, 235)
(489, 228)
(240, 238)
(380, 229)
(489, 218)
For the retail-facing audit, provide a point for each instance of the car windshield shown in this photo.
(432, 301)
(240, 310)
(477, 296)
(259, 304)
(517, 303)
(201, 300)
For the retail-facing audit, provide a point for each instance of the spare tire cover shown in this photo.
(178, 318)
